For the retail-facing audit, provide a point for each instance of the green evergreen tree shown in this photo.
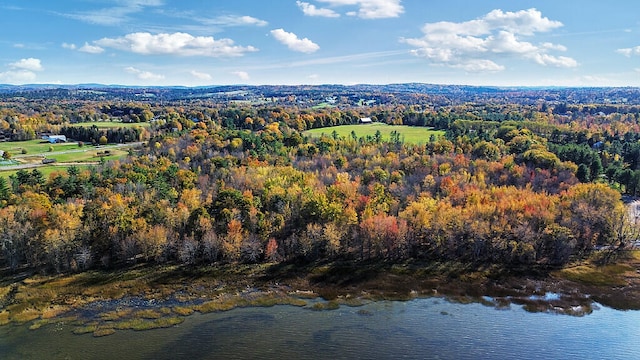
(5, 191)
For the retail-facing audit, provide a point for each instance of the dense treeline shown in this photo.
(92, 134)
(241, 183)
(527, 183)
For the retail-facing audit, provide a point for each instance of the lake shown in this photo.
(431, 328)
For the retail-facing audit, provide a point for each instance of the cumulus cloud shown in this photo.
(200, 75)
(370, 9)
(143, 75)
(476, 45)
(17, 76)
(312, 10)
(30, 64)
(294, 43)
(524, 22)
(22, 71)
(243, 75)
(91, 49)
(629, 51)
(182, 44)
(557, 61)
(69, 46)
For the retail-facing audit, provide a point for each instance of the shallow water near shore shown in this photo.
(431, 328)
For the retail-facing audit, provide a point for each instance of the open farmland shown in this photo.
(81, 159)
(110, 124)
(64, 154)
(410, 134)
(37, 146)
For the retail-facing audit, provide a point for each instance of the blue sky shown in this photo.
(214, 42)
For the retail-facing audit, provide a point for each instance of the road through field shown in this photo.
(66, 163)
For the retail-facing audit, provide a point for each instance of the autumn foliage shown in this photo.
(244, 185)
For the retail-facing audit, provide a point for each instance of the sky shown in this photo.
(294, 42)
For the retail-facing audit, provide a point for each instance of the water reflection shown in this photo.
(420, 329)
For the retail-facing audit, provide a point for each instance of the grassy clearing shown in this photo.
(323, 105)
(109, 124)
(89, 155)
(410, 134)
(37, 146)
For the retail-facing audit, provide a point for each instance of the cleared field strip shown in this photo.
(409, 134)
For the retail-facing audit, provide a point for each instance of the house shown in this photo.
(54, 139)
(366, 120)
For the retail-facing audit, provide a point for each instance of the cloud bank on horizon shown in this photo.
(157, 42)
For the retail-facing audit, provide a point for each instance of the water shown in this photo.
(420, 329)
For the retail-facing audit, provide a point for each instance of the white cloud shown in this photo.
(179, 43)
(22, 71)
(524, 22)
(312, 10)
(294, 43)
(234, 20)
(506, 42)
(30, 64)
(476, 45)
(551, 46)
(69, 46)
(558, 61)
(200, 75)
(91, 49)
(629, 51)
(370, 9)
(143, 75)
(480, 65)
(17, 76)
(243, 75)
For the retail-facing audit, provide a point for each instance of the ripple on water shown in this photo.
(410, 330)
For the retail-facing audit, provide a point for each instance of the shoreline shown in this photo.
(147, 297)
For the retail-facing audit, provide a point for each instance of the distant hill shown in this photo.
(445, 94)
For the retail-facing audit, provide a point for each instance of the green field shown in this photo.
(410, 134)
(37, 146)
(65, 153)
(82, 160)
(88, 155)
(42, 147)
(323, 105)
(45, 170)
(110, 124)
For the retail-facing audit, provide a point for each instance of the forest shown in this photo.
(522, 183)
